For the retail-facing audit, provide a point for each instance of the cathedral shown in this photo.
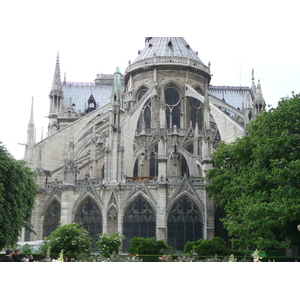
(128, 152)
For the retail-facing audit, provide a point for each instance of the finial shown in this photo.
(252, 75)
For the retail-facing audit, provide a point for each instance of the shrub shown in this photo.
(208, 247)
(72, 238)
(139, 245)
(27, 249)
(109, 243)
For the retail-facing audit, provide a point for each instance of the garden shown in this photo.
(71, 243)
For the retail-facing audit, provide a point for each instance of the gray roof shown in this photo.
(80, 93)
(233, 95)
(167, 46)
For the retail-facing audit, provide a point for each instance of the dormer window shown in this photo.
(91, 104)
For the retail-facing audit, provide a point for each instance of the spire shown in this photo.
(30, 138)
(56, 85)
(31, 120)
(259, 101)
(56, 93)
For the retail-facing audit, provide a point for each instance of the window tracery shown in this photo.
(184, 223)
(90, 217)
(145, 115)
(172, 101)
(52, 218)
(139, 221)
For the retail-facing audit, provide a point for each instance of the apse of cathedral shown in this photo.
(128, 152)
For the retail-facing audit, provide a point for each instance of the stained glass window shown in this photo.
(51, 218)
(139, 221)
(89, 215)
(184, 223)
(172, 100)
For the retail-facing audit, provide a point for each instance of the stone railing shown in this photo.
(131, 180)
(170, 131)
(167, 60)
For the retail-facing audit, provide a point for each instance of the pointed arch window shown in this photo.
(184, 223)
(172, 101)
(89, 215)
(195, 112)
(139, 221)
(145, 115)
(153, 162)
(51, 218)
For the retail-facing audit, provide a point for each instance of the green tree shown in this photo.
(72, 238)
(207, 247)
(17, 192)
(109, 243)
(256, 179)
(139, 245)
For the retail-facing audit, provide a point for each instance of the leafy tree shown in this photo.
(109, 243)
(256, 180)
(72, 238)
(17, 193)
(207, 247)
(139, 245)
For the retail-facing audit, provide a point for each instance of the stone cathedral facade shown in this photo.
(128, 153)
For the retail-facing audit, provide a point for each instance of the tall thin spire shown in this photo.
(56, 85)
(31, 120)
(56, 93)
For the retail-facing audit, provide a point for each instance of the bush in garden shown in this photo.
(109, 243)
(72, 238)
(27, 249)
(208, 247)
(139, 245)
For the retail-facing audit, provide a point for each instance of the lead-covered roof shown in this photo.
(167, 46)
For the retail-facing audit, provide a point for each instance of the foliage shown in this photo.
(256, 180)
(139, 245)
(72, 238)
(43, 247)
(207, 247)
(114, 257)
(27, 249)
(17, 193)
(109, 243)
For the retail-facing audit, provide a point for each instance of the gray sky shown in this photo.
(96, 37)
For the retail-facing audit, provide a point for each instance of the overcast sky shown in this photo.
(96, 37)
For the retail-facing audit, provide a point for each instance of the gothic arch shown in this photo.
(139, 191)
(51, 216)
(139, 89)
(112, 214)
(188, 157)
(198, 203)
(52, 198)
(173, 105)
(81, 199)
(88, 213)
(139, 220)
(172, 83)
(185, 222)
